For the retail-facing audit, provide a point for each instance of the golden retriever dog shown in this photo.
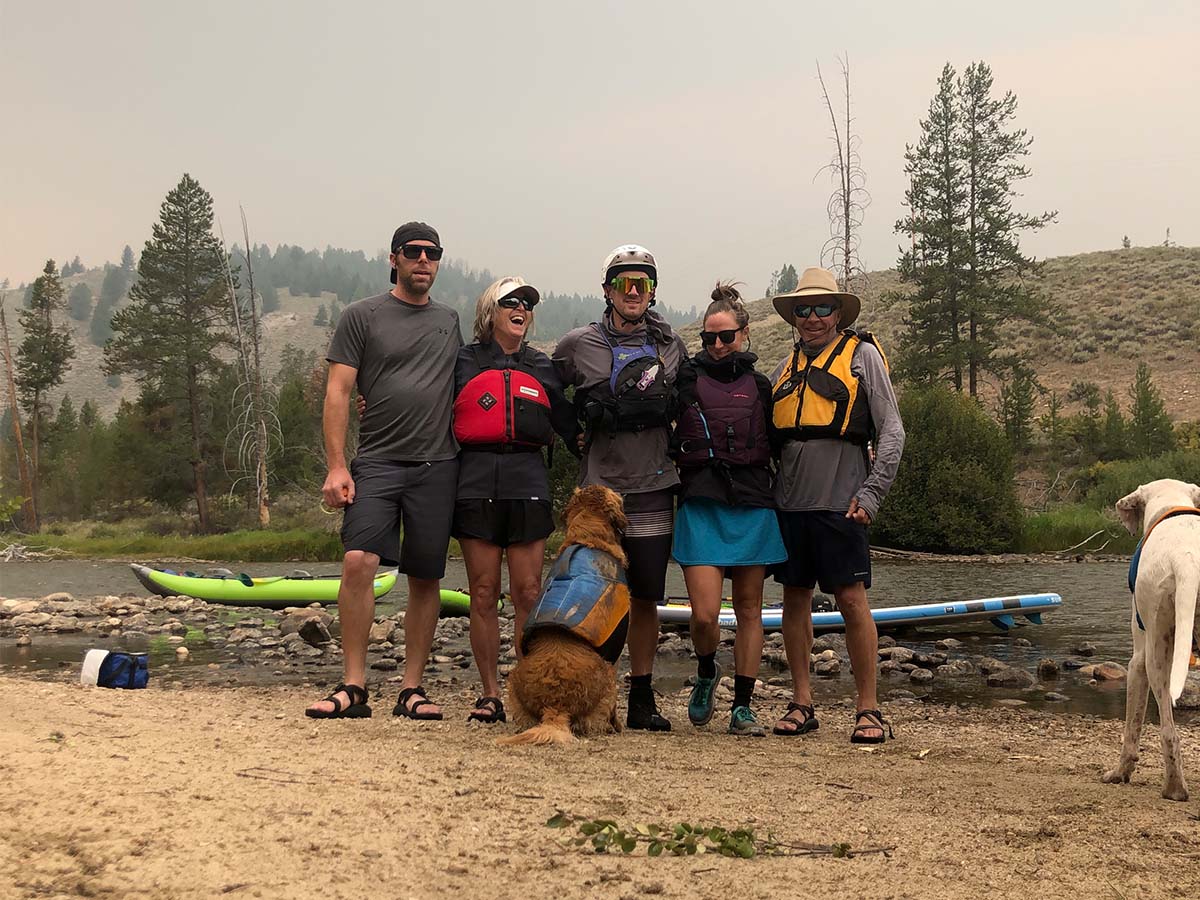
(1163, 619)
(563, 686)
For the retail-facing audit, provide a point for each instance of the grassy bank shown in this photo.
(130, 541)
(1067, 526)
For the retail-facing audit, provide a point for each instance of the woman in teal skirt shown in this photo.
(726, 522)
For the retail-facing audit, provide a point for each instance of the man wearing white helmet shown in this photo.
(623, 369)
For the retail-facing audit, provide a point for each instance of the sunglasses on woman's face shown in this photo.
(823, 310)
(414, 251)
(727, 336)
(625, 284)
(514, 302)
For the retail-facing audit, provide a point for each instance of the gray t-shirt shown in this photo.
(826, 473)
(405, 357)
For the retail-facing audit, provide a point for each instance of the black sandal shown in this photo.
(414, 712)
(495, 712)
(880, 723)
(356, 709)
(810, 722)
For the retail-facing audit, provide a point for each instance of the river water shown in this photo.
(1095, 609)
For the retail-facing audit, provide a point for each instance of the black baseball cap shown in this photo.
(413, 231)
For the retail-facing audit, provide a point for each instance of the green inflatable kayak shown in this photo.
(276, 592)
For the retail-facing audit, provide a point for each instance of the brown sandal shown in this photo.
(803, 726)
(879, 723)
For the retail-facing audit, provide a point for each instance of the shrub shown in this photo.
(954, 492)
(1108, 482)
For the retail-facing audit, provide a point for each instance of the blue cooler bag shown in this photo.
(115, 669)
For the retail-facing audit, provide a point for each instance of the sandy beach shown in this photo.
(204, 791)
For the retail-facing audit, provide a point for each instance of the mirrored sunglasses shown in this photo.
(514, 302)
(414, 251)
(625, 284)
(727, 336)
(823, 310)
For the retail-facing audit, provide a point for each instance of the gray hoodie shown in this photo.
(825, 474)
(629, 462)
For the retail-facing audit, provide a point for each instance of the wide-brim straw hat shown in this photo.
(816, 285)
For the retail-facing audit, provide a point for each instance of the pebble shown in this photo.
(1047, 669)
(920, 675)
(182, 652)
(1010, 701)
(24, 640)
(1087, 648)
(1056, 697)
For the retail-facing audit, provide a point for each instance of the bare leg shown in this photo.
(1137, 691)
(747, 606)
(420, 622)
(643, 635)
(704, 585)
(524, 583)
(356, 614)
(482, 560)
(797, 643)
(862, 641)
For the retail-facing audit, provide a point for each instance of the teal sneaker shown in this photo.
(701, 703)
(743, 722)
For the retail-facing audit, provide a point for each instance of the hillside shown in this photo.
(1114, 308)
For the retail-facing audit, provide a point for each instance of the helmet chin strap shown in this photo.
(624, 318)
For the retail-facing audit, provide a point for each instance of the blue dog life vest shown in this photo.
(1137, 554)
(586, 594)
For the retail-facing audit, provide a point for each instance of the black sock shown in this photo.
(706, 665)
(743, 690)
(639, 688)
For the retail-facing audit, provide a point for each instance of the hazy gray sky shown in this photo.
(537, 135)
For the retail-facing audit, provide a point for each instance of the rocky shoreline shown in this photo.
(300, 643)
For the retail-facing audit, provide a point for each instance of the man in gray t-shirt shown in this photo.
(399, 350)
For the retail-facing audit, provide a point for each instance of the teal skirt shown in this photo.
(708, 533)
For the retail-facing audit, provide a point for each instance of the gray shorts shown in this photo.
(390, 498)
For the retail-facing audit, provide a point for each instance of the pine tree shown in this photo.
(1150, 428)
(1016, 409)
(1126, 243)
(43, 358)
(169, 335)
(127, 260)
(992, 154)
(79, 302)
(933, 265)
(788, 279)
(1114, 440)
(322, 316)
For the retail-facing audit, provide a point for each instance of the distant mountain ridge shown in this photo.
(1114, 308)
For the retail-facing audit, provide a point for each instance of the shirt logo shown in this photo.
(487, 401)
(528, 391)
(647, 378)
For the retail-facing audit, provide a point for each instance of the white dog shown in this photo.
(1164, 602)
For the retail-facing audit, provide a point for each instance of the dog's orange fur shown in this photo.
(561, 686)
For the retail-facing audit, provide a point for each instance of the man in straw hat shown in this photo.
(832, 398)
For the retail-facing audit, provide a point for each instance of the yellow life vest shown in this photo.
(822, 398)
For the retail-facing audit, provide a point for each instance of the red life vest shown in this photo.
(503, 409)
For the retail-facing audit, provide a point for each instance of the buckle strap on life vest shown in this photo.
(1137, 554)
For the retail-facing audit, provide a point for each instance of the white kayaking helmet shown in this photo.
(626, 258)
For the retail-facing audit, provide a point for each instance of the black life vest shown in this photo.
(503, 408)
(637, 394)
(726, 423)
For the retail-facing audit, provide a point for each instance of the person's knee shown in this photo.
(705, 618)
(747, 611)
(359, 564)
(485, 588)
(525, 590)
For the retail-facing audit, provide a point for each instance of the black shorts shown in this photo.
(388, 495)
(823, 548)
(648, 543)
(503, 522)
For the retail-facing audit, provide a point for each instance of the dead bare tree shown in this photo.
(850, 199)
(255, 424)
(29, 507)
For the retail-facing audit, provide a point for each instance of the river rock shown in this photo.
(138, 622)
(176, 627)
(920, 676)
(828, 667)
(1010, 701)
(826, 655)
(20, 607)
(888, 667)
(25, 640)
(1056, 697)
(314, 631)
(901, 655)
(58, 597)
(929, 660)
(1105, 671)
(295, 618)
(956, 668)
(1087, 648)
(385, 665)
(63, 624)
(829, 642)
(1010, 677)
(31, 620)
(1047, 669)
(990, 664)
(179, 604)
(886, 640)
(1072, 663)
(382, 632)
(182, 653)
(305, 651)
(949, 644)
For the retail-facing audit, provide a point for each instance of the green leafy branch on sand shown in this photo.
(684, 839)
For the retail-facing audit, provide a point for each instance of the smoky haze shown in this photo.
(538, 135)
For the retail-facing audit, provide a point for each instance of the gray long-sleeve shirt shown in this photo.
(629, 462)
(827, 473)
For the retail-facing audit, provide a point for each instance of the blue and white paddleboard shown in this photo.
(1000, 610)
